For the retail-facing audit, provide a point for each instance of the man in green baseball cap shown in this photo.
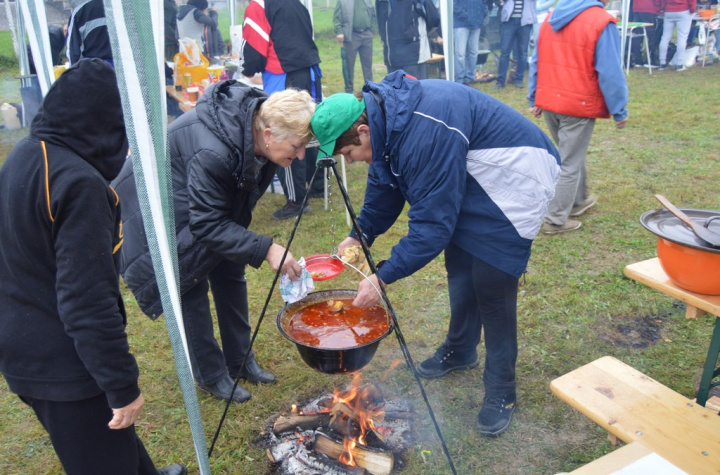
(478, 177)
(333, 117)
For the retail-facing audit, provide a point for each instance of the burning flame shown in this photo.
(347, 456)
(357, 408)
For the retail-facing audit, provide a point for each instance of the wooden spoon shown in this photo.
(703, 233)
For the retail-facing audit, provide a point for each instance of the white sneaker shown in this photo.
(570, 225)
(580, 209)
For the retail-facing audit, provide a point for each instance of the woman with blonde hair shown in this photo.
(224, 155)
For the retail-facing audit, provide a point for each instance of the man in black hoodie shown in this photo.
(63, 346)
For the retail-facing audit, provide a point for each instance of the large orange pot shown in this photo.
(689, 262)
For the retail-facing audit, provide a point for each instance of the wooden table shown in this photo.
(650, 273)
(435, 61)
(630, 34)
(650, 417)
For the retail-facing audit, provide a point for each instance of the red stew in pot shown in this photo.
(329, 324)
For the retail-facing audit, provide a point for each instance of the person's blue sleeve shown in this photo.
(608, 64)
(381, 208)
(435, 171)
(544, 5)
(532, 79)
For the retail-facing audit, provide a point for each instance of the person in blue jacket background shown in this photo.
(478, 179)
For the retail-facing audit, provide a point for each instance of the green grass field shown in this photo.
(575, 305)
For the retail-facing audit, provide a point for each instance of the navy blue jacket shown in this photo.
(469, 13)
(88, 33)
(403, 26)
(475, 172)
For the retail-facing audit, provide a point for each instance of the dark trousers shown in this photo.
(653, 37)
(229, 290)
(295, 178)
(418, 71)
(83, 441)
(513, 38)
(483, 298)
(361, 44)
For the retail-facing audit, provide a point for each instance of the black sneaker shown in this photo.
(495, 414)
(223, 389)
(445, 361)
(290, 210)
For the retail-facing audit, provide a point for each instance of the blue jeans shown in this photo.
(515, 38)
(466, 51)
(229, 289)
(483, 297)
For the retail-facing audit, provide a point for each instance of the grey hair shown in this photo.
(287, 113)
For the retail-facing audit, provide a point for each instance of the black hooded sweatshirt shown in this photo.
(62, 323)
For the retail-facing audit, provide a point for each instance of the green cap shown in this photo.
(333, 117)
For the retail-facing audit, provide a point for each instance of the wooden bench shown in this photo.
(640, 411)
(651, 273)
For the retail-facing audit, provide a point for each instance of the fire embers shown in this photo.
(353, 431)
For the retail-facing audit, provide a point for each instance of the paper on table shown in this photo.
(651, 463)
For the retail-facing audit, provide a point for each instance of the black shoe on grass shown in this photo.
(495, 414)
(445, 361)
(290, 210)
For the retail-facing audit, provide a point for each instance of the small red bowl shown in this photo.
(323, 266)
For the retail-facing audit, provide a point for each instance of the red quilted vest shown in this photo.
(567, 82)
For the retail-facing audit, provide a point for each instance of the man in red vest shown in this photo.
(576, 77)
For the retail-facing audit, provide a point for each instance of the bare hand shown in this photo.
(536, 111)
(367, 295)
(290, 266)
(621, 123)
(347, 242)
(126, 416)
(439, 40)
(341, 39)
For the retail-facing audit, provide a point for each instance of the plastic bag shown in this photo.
(236, 41)
(191, 50)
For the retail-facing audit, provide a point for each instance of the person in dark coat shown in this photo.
(196, 21)
(63, 346)
(88, 33)
(224, 154)
(405, 28)
(171, 35)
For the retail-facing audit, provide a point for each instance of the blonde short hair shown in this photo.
(287, 113)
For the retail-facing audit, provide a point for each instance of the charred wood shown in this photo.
(301, 422)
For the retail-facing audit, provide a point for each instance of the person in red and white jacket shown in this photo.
(678, 15)
(278, 42)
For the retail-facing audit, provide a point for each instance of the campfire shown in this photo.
(353, 431)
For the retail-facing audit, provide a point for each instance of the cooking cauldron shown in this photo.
(328, 360)
(687, 260)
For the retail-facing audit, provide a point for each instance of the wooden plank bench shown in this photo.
(651, 273)
(633, 407)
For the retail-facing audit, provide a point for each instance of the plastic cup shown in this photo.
(214, 73)
(193, 92)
